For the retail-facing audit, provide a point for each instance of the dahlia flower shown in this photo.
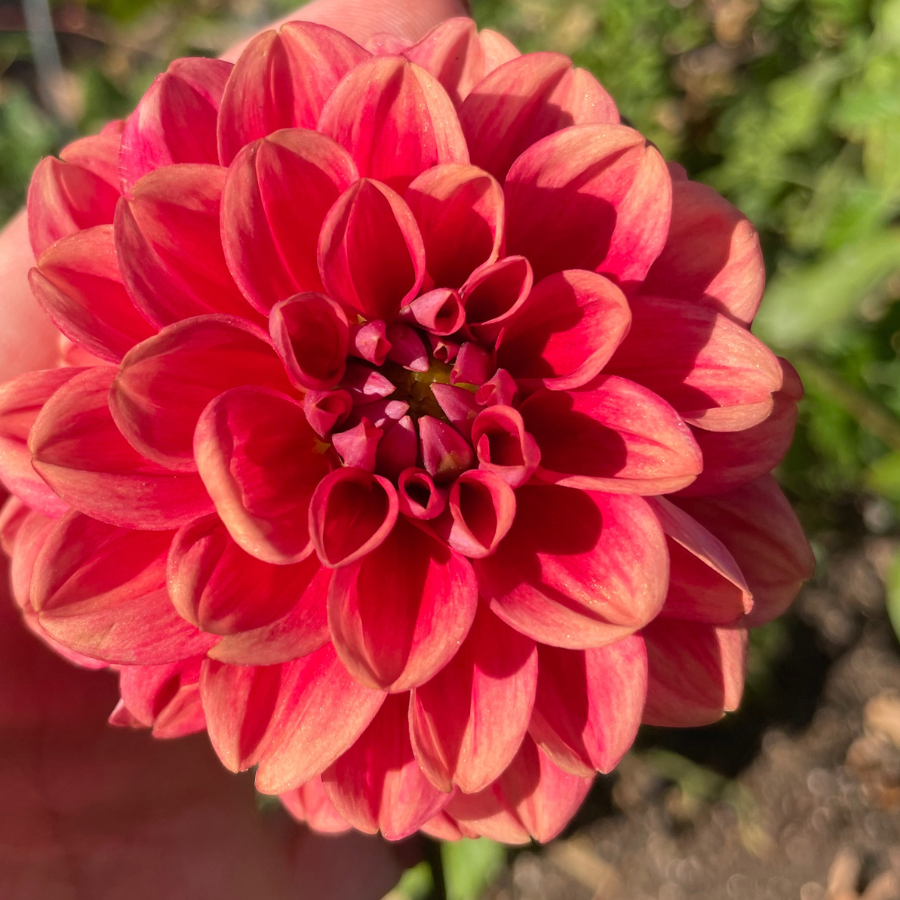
(409, 435)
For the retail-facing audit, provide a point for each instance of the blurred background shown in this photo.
(791, 109)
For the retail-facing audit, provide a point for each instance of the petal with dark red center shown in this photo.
(418, 495)
(21, 400)
(468, 721)
(503, 446)
(78, 192)
(166, 382)
(589, 704)
(80, 453)
(175, 122)
(711, 255)
(578, 569)
(309, 803)
(495, 293)
(282, 80)
(270, 249)
(482, 507)
(565, 332)
(321, 712)
(371, 254)
(261, 463)
(101, 591)
(397, 645)
(460, 213)
(592, 197)
(377, 784)
(525, 100)
(696, 672)
(612, 436)
(757, 525)
(77, 282)
(714, 372)
(439, 312)
(395, 119)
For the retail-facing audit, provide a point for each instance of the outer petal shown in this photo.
(77, 282)
(613, 435)
(309, 803)
(164, 698)
(377, 784)
(433, 595)
(395, 119)
(282, 80)
(757, 525)
(468, 721)
(80, 453)
(271, 251)
(526, 99)
(714, 372)
(591, 197)
(175, 122)
(696, 672)
(101, 590)
(321, 712)
(169, 248)
(260, 462)
(578, 569)
(166, 382)
(712, 254)
(565, 333)
(589, 704)
(31, 534)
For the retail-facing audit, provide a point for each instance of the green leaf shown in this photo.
(470, 866)
(893, 595)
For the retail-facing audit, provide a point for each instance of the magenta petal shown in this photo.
(482, 508)
(499, 390)
(165, 698)
(165, 382)
(591, 197)
(440, 312)
(461, 215)
(395, 119)
(613, 435)
(419, 497)
(175, 122)
(494, 293)
(30, 532)
(468, 721)
(696, 672)
(369, 341)
(357, 446)
(101, 591)
(458, 405)
(322, 710)
(503, 446)
(473, 365)
(433, 598)
(407, 347)
(371, 254)
(578, 569)
(589, 704)
(325, 410)
(77, 282)
(445, 452)
(282, 80)
(377, 784)
(309, 803)
(399, 449)
(82, 455)
(261, 463)
(565, 332)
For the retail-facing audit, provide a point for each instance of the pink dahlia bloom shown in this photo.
(410, 437)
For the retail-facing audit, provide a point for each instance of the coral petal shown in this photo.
(482, 509)
(503, 446)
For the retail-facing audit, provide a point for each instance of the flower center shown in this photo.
(415, 387)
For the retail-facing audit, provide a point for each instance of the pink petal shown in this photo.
(325, 410)
(31, 535)
(499, 390)
(503, 446)
(282, 80)
(357, 446)
(309, 803)
(468, 721)
(696, 672)
(592, 197)
(460, 213)
(589, 704)
(494, 294)
(418, 496)
(365, 384)
(407, 347)
(175, 122)
(80, 453)
(271, 251)
(166, 382)
(757, 525)
(399, 449)
(439, 312)
(321, 712)
(566, 331)
(433, 595)
(712, 254)
(473, 365)
(578, 569)
(371, 255)
(261, 463)
(369, 341)
(164, 698)
(714, 372)
(77, 282)
(446, 454)
(482, 508)
(169, 249)
(101, 591)
(613, 435)
(527, 99)
(458, 405)
(377, 784)
(395, 119)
